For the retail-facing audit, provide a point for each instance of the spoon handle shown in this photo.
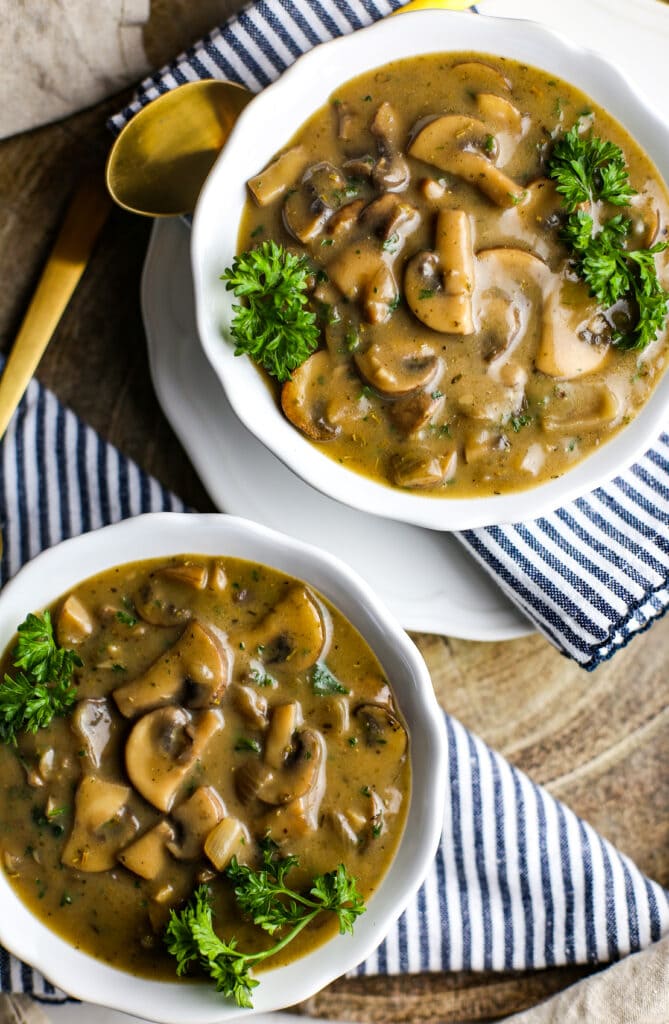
(83, 222)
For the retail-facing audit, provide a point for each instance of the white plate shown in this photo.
(427, 579)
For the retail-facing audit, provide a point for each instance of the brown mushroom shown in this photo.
(391, 171)
(295, 776)
(92, 725)
(398, 366)
(293, 632)
(196, 669)
(282, 725)
(499, 112)
(361, 271)
(162, 748)
(196, 817)
(165, 599)
(278, 176)
(308, 207)
(321, 398)
(102, 825)
(422, 469)
(251, 704)
(381, 728)
(438, 285)
(480, 77)
(389, 215)
(582, 406)
(148, 856)
(459, 144)
(410, 415)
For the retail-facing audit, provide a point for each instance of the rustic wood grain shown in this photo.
(598, 741)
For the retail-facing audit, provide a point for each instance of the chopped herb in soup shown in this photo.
(191, 744)
(460, 277)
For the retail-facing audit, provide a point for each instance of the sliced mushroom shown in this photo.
(278, 176)
(306, 396)
(191, 574)
(75, 623)
(569, 348)
(583, 406)
(422, 469)
(391, 171)
(308, 208)
(381, 728)
(389, 215)
(92, 725)
(251, 704)
(296, 818)
(282, 725)
(293, 632)
(499, 324)
(345, 219)
(196, 669)
(335, 715)
(438, 285)
(196, 817)
(529, 224)
(361, 271)
(480, 77)
(102, 825)
(458, 144)
(162, 748)
(148, 856)
(499, 112)
(165, 599)
(398, 366)
(345, 121)
(296, 775)
(359, 166)
(410, 415)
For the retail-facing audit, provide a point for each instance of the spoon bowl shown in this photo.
(159, 161)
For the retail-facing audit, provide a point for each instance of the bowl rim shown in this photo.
(459, 31)
(162, 534)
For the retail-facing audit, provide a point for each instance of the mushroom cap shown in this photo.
(307, 209)
(398, 366)
(293, 632)
(278, 176)
(91, 723)
(304, 397)
(196, 668)
(148, 856)
(499, 112)
(296, 775)
(480, 77)
(162, 748)
(101, 825)
(196, 817)
(421, 469)
(382, 728)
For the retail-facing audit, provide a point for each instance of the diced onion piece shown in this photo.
(225, 841)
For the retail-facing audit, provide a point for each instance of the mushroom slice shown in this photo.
(75, 623)
(226, 840)
(391, 171)
(293, 632)
(92, 725)
(584, 406)
(164, 599)
(396, 369)
(344, 220)
(289, 821)
(413, 413)
(438, 285)
(480, 77)
(278, 176)
(361, 271)
(249, 703)
(294, 778)
(309, 207)
(196, 668)
(380, 727)
(499, 324)
(422, 469)
(162, 748)
(458, 144)
(563, 351)
(191, 574)
(148, 856)
(101, 825)
(530, 223)
(389, 215)
(500, 112)
(304, 398)
(283, 723)
(196, 817)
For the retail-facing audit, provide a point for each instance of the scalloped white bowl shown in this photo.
(268, 123)
(151, 536)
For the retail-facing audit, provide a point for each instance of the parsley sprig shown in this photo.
(42, 688)
(274, 327)
(587, 170)
(272, 905)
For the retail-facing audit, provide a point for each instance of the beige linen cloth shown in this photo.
(59, 56)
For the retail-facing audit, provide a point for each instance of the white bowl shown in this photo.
(150, 536)
(268, 123)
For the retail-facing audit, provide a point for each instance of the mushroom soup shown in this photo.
(218, 703)
(460, 350)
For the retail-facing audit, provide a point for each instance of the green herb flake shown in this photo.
(245, 743)
(324, 683)
(126, 619)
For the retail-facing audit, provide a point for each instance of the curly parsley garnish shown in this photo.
(42, 688)
(274, 327)
(272, 905)
(588, 170)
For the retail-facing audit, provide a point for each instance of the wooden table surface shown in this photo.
(598, 741)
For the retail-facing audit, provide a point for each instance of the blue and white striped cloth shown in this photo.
(519, 881)
(592, 575)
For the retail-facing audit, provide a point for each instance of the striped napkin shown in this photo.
(518, 882)
(590, 576)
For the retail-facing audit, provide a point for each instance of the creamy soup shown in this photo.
(460, 352)
(219, 703)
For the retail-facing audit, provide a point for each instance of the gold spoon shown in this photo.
(161, 158)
